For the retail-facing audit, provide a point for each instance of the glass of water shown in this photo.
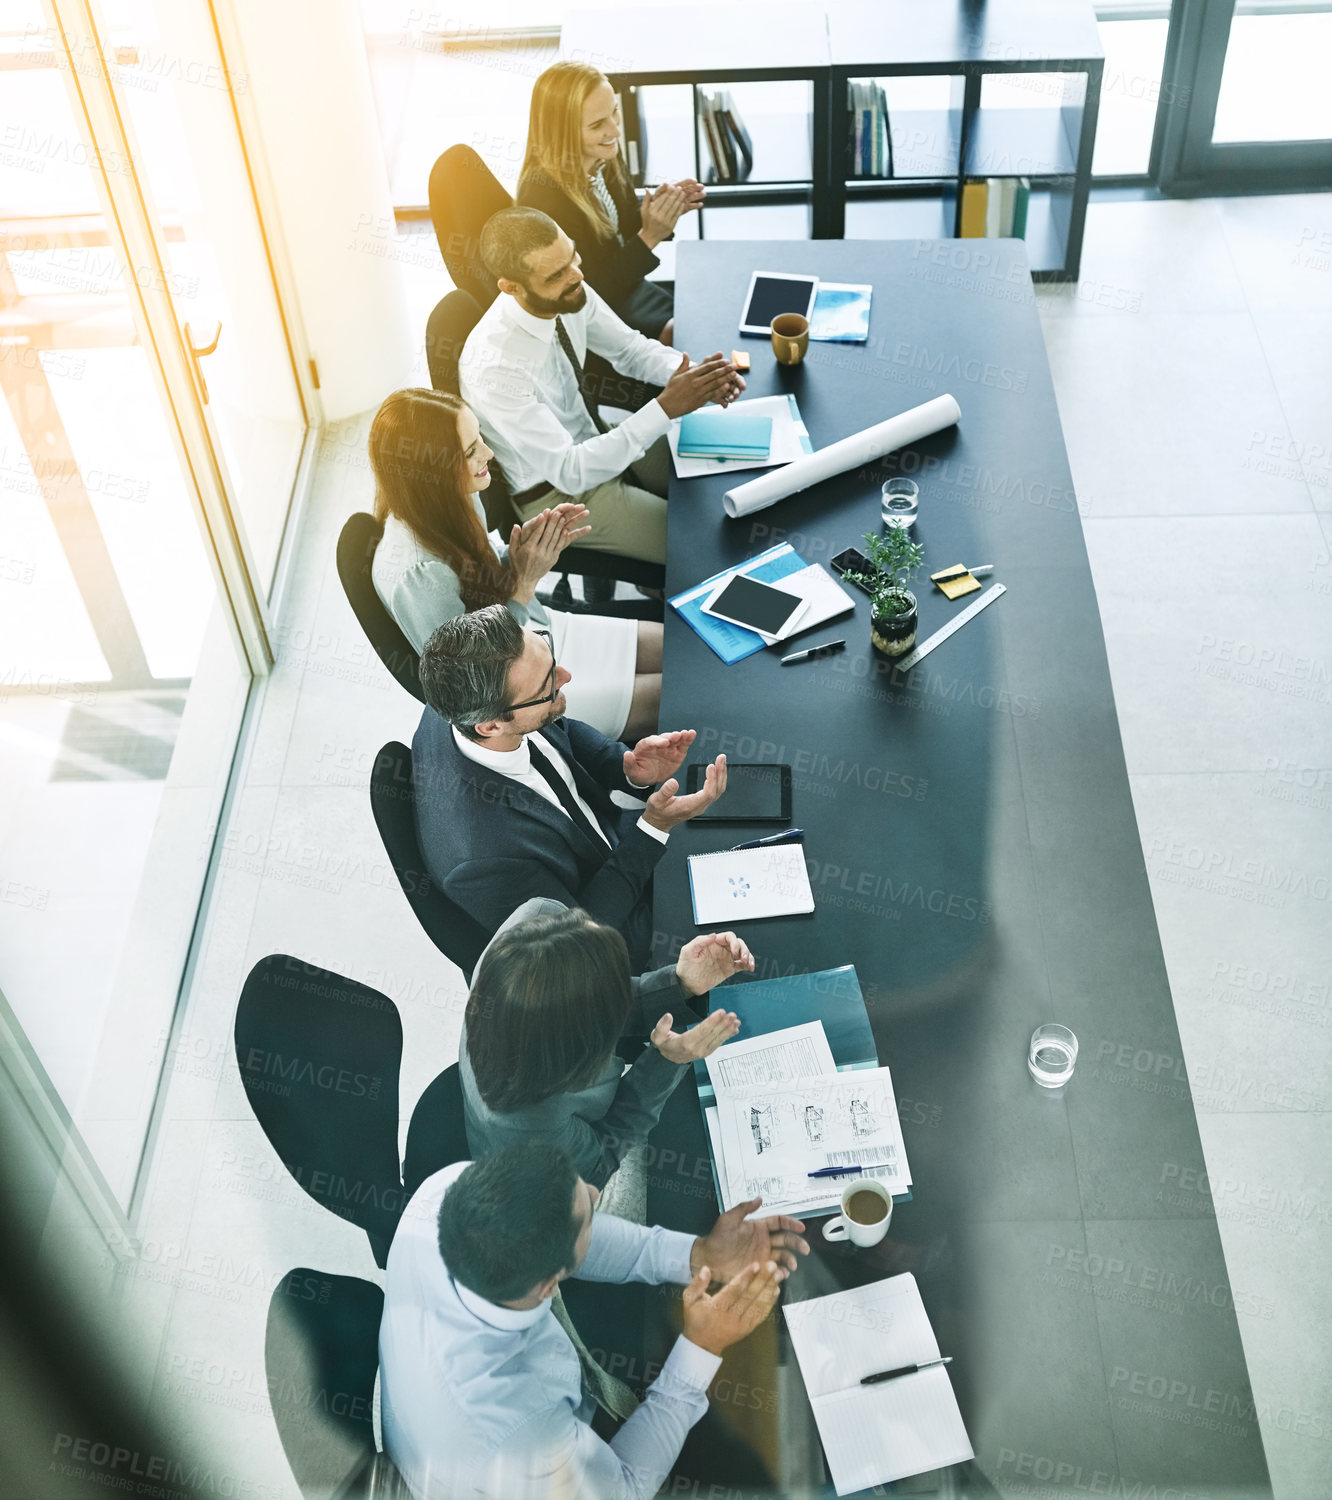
(1054, 1051)
(901, 499)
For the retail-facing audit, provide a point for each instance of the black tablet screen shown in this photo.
(753, 794)
(773, 296)
(755, 604)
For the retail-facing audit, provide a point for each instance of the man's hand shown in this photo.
(693, 386)
(657, 756)
(699, 1041)
(710, 960)
(736, 1241)
(664, 809)
(715, 1322)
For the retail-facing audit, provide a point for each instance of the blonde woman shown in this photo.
(572, 171)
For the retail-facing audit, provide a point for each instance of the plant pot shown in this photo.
(895, 635)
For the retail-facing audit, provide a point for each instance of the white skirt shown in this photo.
(600, 652)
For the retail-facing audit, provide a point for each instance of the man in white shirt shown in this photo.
(513, 799)
(521, 371)
(483, 1391)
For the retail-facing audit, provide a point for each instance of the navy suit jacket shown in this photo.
(490, 843)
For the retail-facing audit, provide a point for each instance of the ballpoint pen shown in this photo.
(883, 1375)
(790, 836)
(827, 649)
(835, 1172)
(983, 571)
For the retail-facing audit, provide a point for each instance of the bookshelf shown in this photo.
(974, 89)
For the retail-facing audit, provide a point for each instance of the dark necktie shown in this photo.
(542, 766)
(611, 1394)
(566, 343)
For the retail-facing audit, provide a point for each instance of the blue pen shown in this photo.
(791, 836)
(835, 1172)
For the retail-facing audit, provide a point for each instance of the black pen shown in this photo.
(827, 649)
(834, 1172)
(791, 836)
(904, 1370)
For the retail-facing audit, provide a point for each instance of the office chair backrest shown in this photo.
(464, 192)
(437, 1135)
(321, 1355)
(319, 1057)
(360, 536)
(452, 319)
(458, 936)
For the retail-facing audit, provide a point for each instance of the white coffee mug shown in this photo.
(844, 1227)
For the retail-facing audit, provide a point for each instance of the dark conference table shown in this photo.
(973, 851)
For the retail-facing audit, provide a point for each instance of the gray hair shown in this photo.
(510, 236)
(465, 667)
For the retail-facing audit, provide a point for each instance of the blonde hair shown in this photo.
(555, 140)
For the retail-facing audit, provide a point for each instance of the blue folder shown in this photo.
(711, 434)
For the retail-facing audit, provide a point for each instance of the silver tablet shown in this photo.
(772, 293)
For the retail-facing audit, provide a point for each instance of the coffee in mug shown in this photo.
(867, 1209)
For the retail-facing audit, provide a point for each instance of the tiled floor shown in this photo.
(1193, 366)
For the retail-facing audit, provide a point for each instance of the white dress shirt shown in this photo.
(518, 381)
(478, 1400)
(518, 764)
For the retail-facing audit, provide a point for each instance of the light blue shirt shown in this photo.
(421, 591)
(482, 1400)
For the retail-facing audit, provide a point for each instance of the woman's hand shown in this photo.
(535, 546)
(694, 192)
(690, 1046)
(660, 210)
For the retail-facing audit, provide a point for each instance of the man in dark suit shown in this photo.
(513, 799)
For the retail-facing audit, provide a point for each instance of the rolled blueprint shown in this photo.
(860, 448)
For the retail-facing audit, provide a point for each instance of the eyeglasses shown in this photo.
(554, 693)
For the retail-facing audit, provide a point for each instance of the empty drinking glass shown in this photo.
(1054, 1051)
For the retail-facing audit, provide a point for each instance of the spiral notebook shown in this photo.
(744, 885)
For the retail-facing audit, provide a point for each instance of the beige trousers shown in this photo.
(626, 517)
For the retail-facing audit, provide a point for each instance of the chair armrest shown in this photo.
(589, 564)
(616, 609)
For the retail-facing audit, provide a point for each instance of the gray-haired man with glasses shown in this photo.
(513, 799)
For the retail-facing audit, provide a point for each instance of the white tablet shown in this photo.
(770, 612)
(772, 293)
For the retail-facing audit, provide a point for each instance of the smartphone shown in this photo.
(853, 561)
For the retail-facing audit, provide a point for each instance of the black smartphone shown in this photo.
(754, 794)
(853, 561)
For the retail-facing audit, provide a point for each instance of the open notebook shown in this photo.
(876, 1433)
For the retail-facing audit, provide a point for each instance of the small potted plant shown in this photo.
(896, 560)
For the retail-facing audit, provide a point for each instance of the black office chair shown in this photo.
(319, 1057)
(458, 936)
(436, 1136)
(321, 1356)
(361, 535)
(451, 320)
(464, 192)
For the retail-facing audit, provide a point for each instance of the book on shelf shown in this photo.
(729, 143)
(1021, 197)
(633, 137)
(974, 198)
(995, 208)
(871, 140)
(741, 140)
